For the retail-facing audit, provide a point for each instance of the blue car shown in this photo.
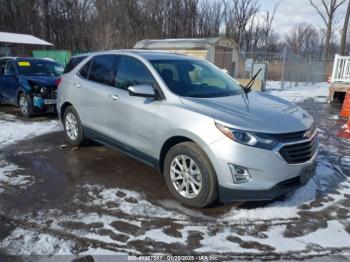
(30, 84)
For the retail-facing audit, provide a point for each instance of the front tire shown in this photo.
(190, 176)
(25, 105)
(73, 127)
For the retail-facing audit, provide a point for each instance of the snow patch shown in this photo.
(131, 202)
(7, 178)
(318, 92)
(27, 242)
(13, 130)
(158, 235)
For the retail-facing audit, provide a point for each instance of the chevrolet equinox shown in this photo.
(209, 136)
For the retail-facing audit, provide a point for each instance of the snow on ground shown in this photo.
(28, 242)
(127, 201)
(8, 177)
(318, 91)
(13, 130)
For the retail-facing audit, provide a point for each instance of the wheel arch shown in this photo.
(186, 136)
(63, 109)
(169, 143)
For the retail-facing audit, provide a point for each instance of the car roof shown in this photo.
(27, 58)
(146, 54)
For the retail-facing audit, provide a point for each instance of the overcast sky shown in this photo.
(291, 12)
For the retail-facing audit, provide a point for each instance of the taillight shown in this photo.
(58, 81)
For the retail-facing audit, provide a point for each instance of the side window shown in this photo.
(10, 68)
(103, 69)
(2, 67)
(132, 72)
(84, 71)
(73, 62)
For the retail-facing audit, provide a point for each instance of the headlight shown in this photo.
(36, 88)
(248, 138)
(43, 90)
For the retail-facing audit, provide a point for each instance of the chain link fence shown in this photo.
(289, 69)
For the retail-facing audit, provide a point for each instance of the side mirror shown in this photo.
(142, 90)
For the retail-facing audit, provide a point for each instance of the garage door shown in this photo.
(223, 58)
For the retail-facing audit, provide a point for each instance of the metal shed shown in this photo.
(221, 51)
(9, 39)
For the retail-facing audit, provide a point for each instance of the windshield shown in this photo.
(40, 67)
(196, 78)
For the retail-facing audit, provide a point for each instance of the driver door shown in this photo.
(2, 73)
(10, 82)
(139, 113)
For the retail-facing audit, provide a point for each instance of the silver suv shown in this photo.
(210, 137)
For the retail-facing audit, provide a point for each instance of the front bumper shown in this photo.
(44, 103)
(271, 175)
(228, 195)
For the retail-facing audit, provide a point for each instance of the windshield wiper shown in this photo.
(248, 87)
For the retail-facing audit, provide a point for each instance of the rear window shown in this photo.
(103, 69)
(73, 62)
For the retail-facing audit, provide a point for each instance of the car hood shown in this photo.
(255, 111)
(46, 81)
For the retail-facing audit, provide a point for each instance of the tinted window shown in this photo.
(196, 78)
(10, 68)
(132, 72)
(2, 66)
(103, 69)
(84, 71)
(39, 67)
(73, 62)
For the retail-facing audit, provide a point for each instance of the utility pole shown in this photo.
(345, 30)
(283, 68)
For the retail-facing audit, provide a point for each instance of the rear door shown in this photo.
(2, 77)
(10, 82)
(96, 98)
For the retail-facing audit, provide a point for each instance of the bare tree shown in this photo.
(304, 40)
(267, 27)
(327, 16)
(345, 30)
(237, 15)
(209, 18)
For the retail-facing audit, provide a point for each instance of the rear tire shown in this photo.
(190, 176)
(73, 128)
(25, 105)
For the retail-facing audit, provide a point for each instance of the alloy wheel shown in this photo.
(71, 125)
(24, 105)
(186, 176)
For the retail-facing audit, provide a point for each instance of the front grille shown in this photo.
(299, 152)
(289, 137)
(51, 93)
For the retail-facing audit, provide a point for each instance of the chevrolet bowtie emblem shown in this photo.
(307, 134)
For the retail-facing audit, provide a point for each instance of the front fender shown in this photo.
(24, 86)
(199, 141)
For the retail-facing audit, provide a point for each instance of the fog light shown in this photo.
(239, 174)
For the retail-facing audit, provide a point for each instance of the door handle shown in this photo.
(114, 97)
(77, 85)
